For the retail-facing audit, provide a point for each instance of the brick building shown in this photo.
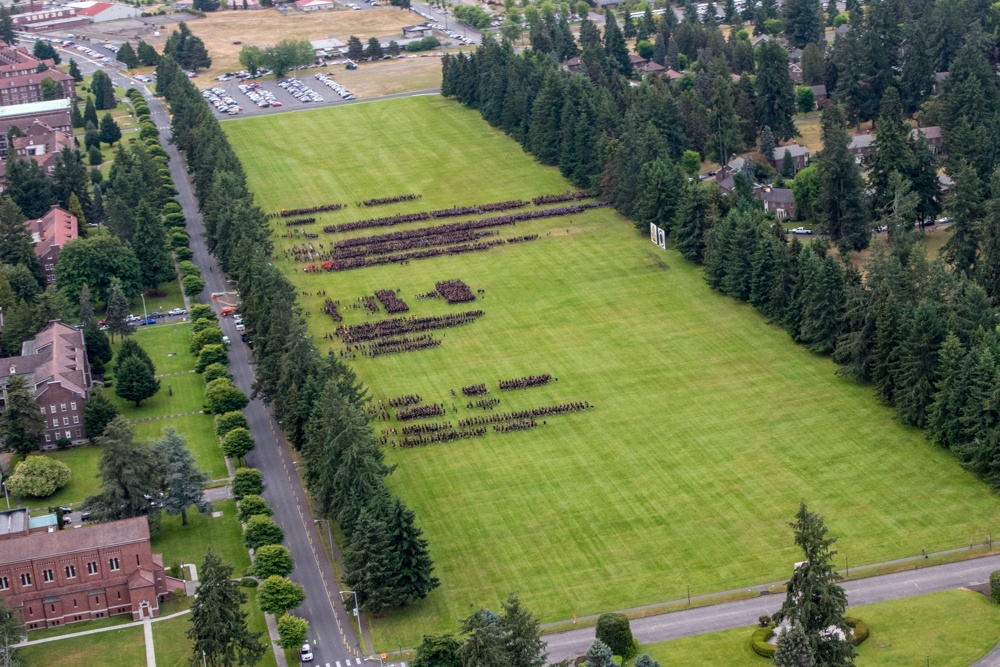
(55, 365)
(52, 18)
(56, 114)
(50, 233)
(53, 577)
(42, 144)
(20, 80)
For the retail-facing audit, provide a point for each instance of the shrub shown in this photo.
(271, 560)
(614, 630)
(216, 371)
(171, 206)
(995, 587)
(292, 631)
(38, 477)
(861, 629)
(175, 220)
(426, 44)
(764, 620)
(759, 642)
(200, 325)
(226, 422)
(262, 530)
(248, 582)
(179, 239)
(207, 336)
(183, 254)
(223, 396)
(187, 268)
(252, 505)
(246, 482)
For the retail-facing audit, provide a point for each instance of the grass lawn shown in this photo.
(173, 649)
(167, 345)
(199, 431)
(709, 425)
(82, 461)
(948, 629)
(115, 647)
(189, 544)
(178, 394)
(169, 299)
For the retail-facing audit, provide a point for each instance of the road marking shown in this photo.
(359, 661)
(338, 663)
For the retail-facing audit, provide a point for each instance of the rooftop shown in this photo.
(33, 108)
(56, 355)
(794, 149)
(63, 542)
(13, 521)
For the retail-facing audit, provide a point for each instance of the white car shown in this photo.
(225, 341)
(306, 653)
(240, 327)
(801, 230)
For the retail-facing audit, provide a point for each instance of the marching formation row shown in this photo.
(292, 212)
(398, 345)
(404, 400)
(524, 414)
(299, 222)
(393, 304)
(566, 196)
(399, 326)
(526, 382)
(382, 201)
(474, 390)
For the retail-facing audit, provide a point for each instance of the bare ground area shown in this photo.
(391, 76)
(265, 27)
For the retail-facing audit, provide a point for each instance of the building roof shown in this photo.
(651, 67)
(328, 44)
(940, 76)
(90, 9)
(932, 132)
(33, 108)
(842, 30)
(56, 228)
(140, 579)
(312, 3)
(57, 355)
(673, 74)
(63, 542)
(794, 149)
(33, 78)
(779, 195)
(795, 54)
(636, 59)
(819, 91)
(861, 141)
(13, 521)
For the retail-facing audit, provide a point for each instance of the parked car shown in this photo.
(801, 230)
(240, 327)
(148, 320)
(225, 340)
(306, 653)
(156, 315)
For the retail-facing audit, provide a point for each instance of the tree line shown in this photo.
(317, 399)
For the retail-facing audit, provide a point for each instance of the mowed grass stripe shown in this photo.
(709, 425)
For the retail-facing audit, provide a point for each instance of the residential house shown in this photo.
(861, 146)
(673, 74)
(947, 184)
(939, 79)
(800, 156)
(42, 144)
(56, 114)
(636, 59)
(53, 577)
(50, 233)
(55, 365)
(573, 64)
(795, 72)
(932, 135)
(779, 201)
(820, 96)
(841, 31)
(651, 68)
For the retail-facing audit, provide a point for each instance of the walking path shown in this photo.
(147, 634)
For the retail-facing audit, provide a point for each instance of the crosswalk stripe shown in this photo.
(338, 663)
(359, 661)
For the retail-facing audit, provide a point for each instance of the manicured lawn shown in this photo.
(173, 649)
(949, 629)
(709, 425)
(115, 647)
(170, 297)
(82, 461)
(167, 345)
(189, 544)
(199, 431)
(178, 394)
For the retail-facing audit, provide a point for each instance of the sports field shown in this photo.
(708, 428)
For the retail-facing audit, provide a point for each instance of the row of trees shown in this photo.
(288, 54)
(317, 400)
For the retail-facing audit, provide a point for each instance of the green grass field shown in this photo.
(167, 346)
(189, 544)
(709, 425)
(82, 462)
(949, 629)
(115, 647)
(199, 431)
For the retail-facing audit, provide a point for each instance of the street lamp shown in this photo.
(144, 316)
(357, 615)
(329, 537)
(4, 484)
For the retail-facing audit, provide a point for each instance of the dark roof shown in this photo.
(819, 91)
(932, 132)
(779, 196)
(794, 149)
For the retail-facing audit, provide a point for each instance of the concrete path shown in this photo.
(147, 633)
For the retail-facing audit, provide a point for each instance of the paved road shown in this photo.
(745, 612)
(284, 493)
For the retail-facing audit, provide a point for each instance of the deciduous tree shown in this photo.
(277, 594)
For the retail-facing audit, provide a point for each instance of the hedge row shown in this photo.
(761, 636)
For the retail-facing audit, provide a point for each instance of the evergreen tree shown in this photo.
(90, 114)
(775, 102)
(890, 152)
(599, 655)
(437, 651)
(543, 132)
(692, 222)
(814, 602)
(77, 116)
(183, 479)
(69, 177)
(150, 244)
(813, 66)
(988, 274)
(104, 92)
(134, 381)
(86, 308)
(371, 565)
(129, 473)
(126, 54)
(628, 26)
(966, 208)
(74, 71)
(484, 641)
(977, 419)
(725, 137)
(7, 27)
(98, 413)
(614, 45)
(746, 110)
(21, 425)
(76, 210)
(415, 578)
(117, 311)
(147, 55)
(923, 333)
(110, 132)
(355, 49)
(660, 183)
(943, 425)
(793, 649)
(767, 142)
(803, 21)
(924, 179)
(219, 632)
(822, 304)
(29, 186)
(842, 207)
(522, 635)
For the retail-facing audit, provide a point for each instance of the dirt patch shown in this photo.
(391, 76)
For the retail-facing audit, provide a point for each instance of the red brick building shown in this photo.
(42, 144)
(55, 365)
(50, 233)
(20, 80)
(56, 114)
(53, 577)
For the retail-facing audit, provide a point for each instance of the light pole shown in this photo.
(329, 537)
(357, 615)
(4, 484)
(204, 663)
(144, 316)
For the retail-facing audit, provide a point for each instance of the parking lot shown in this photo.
(313, 87)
